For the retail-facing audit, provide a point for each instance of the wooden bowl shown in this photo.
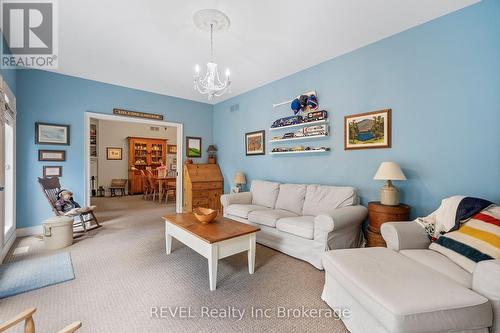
(205, 215)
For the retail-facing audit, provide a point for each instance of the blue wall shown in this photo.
(54, 98)
(9, 75)
(442, 81)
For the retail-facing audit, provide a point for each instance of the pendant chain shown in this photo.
(212, 42)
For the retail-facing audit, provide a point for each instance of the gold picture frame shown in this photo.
(368, 130)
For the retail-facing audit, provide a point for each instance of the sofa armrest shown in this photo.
(244, 198)
(404, 236)
(339, 219)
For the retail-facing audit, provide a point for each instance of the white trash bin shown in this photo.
(58, 232)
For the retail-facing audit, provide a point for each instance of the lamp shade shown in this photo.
(389, 171)
(239, 178)
(211, 149)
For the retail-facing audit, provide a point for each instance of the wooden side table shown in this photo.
(378, 214)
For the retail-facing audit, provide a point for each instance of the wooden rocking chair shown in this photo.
(29, 325)
(50, 187)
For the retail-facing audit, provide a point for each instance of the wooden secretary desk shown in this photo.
(203, 187)
(144, 153)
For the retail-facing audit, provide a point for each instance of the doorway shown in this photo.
(119, 148)
(7, 169)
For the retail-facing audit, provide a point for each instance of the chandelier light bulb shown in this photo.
(228, 72)
(197, 69)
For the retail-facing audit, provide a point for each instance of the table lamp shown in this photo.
(389, 171)
(239, 180)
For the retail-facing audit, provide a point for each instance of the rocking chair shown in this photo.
(51, 187)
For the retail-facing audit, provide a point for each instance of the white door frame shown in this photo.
(180, 145)
(6, 240)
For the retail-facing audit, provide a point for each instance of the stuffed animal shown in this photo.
(68, 206)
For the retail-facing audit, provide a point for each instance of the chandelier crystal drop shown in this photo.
(211, 83)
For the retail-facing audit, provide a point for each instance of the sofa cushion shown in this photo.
(404, 295)
(264, 193)
(321, 199)
(302, 226)
(291, 197)
(268, 216)
(441, 264)
(242, 210)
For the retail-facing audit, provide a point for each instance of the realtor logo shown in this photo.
(30, 30)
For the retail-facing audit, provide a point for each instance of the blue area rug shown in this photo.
(30, 274)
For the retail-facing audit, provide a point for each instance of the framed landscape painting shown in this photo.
(51, 134)
(255, 143)
(368, 130)
(193, 147)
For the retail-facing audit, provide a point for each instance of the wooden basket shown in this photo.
(205, 215)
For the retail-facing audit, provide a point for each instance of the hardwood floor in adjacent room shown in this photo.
(122, 272)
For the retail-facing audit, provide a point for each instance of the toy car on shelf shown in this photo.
(318, 148)
(315, 130)
(288, 136)
(298, 148)
(287, 121)
(281, 149)
(316, 116)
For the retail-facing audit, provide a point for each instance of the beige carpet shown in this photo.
(122, 271)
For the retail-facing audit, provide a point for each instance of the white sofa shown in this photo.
(409, 288)
(300, 220)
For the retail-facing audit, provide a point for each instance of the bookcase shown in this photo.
(144, 153)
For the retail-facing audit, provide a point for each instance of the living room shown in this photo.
(336, 170)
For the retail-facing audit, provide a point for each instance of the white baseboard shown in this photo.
(7, 247)
(29, 231)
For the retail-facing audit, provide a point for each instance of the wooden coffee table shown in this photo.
(221, 238)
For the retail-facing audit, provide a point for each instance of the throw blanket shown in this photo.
(452, 212)
(475, 240)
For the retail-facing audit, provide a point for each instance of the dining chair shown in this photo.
(153, 185)
(145, 185)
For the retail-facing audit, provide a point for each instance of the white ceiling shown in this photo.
(153, 45)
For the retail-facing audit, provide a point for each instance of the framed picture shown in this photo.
(114, 153)
(255, 143)
(368, 130)
(51, 134)
(52, 171)
(52, 155)
(171, 149)
(193, 146)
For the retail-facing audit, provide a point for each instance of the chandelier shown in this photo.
(210, 83)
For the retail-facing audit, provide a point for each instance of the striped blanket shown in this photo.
(476, 239)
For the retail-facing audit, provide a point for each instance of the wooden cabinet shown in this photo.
(378, 214)
(203, 186)
(144, 153)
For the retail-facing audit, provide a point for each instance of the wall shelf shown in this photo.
(307, 137)
(298, 152)
(324, 121)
